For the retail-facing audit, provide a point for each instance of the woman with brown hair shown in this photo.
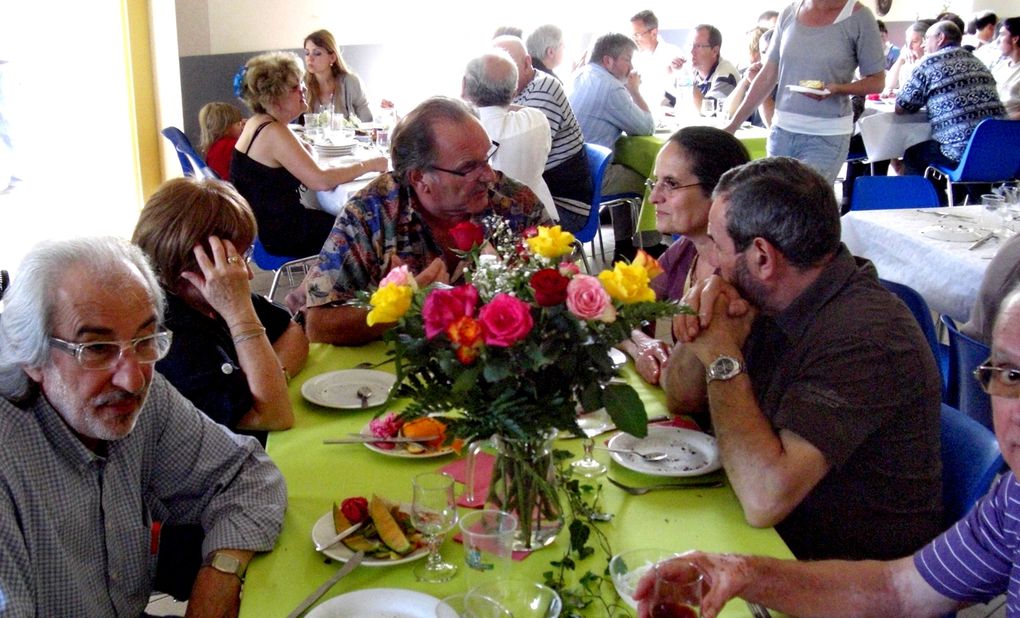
(331, 84)
(232, 351)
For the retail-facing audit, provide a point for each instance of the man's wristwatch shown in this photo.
(225, 563)
(724, 368)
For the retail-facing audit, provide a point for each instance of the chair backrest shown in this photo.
(882, 192)
(192, 163)
(970, 461)
(599, 158)
(265, 260)
(919, 308)
(963, 391)
(992, 154)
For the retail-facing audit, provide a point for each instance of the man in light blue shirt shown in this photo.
(607, 102)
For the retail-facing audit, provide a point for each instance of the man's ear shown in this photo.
(416, 178)
(35, 373)
(762, 259)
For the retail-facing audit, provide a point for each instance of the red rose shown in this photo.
(354, 509)
(550, 287)
(466, 236)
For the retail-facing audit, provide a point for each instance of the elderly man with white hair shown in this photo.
(523, 135)
(545, 46)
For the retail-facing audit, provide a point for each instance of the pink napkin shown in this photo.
(483, 475)
(682, 421)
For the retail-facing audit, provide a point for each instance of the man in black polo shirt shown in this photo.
(822, 390)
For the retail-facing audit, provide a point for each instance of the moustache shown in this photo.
(118, 397)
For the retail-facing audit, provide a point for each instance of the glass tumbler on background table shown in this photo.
(992, 208)
(434, 512)
(488, 538)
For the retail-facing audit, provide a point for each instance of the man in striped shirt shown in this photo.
(566, 169)
(974, 561)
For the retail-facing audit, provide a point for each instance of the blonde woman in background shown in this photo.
(910, 54)
(221, 125)
(331, 84)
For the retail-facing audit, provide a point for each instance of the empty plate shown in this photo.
(951, 233)
(691, 453)
(339, 389)
(380, 602)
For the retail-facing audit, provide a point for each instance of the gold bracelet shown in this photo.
(249, 334)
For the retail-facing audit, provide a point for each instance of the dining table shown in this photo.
(318, 475)
(886, 134)
(929, 249)
(638, 152)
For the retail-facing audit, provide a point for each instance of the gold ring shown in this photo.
(234, 259)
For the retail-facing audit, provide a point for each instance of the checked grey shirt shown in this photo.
(74, 527)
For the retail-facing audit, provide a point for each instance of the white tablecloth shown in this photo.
(947, 274)
(887, 134)
(333, 200)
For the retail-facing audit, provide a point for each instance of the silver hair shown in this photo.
(30, 303)
(485, 84)
(542, 39)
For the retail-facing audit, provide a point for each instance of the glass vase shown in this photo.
(524, 483)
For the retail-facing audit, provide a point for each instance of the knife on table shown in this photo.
(362, 439)
(353, 562)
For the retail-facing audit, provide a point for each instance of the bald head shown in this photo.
(490, 79)
(514, 46)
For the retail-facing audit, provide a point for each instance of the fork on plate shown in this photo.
(640, 491)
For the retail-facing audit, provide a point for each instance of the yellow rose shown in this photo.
(627, 283)
(389, 304)
(650, 264)
(551, 242)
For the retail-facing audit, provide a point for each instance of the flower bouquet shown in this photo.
(517, 349)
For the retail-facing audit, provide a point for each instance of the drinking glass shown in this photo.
(708, 106)
(588, 467)
(674, 597)
(434, 512)
(992, 207)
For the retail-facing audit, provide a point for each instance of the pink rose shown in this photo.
(505, 320)
(400, 275)
(588, 300)
(444, 306)
(569, 269)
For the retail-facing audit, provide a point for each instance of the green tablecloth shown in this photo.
(638, 153)
(318, 474)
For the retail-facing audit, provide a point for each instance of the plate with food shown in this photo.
(340, 389)
(689, 453)
(809, 86)
(432, 432)
(387, 535)
(388, 602)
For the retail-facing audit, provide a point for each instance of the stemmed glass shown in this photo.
(589, 467)
(434, 512)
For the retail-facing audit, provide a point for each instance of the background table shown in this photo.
(947, 274)
(886, 134)
(318, 474)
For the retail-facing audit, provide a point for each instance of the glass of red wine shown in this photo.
(676, 595)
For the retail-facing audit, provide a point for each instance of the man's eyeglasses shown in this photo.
(106, 354)
(638, 35)
(701, 46)
(668, 185)
(998, 381)
(469, 168)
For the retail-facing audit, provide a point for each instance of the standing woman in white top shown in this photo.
(827, 41)
(331, 84)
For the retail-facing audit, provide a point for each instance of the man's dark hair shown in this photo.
(413, 144)
(612, 45)
(881, 26)
(768, 16)
(714, 36)
(953, 17)
(953, 35)
(984, 19)
(1012, 25)
(648, 18)
(785, 202)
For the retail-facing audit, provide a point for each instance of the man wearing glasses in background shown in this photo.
(714, 76)
(95, 444)
(972, 562)
(441, 177)
(655, 60)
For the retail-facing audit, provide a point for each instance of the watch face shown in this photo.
(723, 368)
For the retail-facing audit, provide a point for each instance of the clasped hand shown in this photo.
(722, 323)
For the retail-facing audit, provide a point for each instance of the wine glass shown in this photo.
(434, 512)
(591, 425)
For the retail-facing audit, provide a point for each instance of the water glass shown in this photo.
(434, 512)
(488, 537)
(312, 128)
(992, 207)
(512, 597)
(708, 107)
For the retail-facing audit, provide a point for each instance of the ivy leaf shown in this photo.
(626, 409)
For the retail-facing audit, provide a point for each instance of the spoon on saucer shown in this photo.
(649, 456)
(364, 393)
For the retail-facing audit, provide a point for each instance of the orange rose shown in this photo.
(466, 334)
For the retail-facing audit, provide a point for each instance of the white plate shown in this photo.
(691, 453)
(951, 233)
(618, 357)
(400, 451)
(339, 389)
(323, 530)
(796, 88)
(378, 603)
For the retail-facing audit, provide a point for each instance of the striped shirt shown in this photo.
(977, 558)
(545, 93)
(75, 537)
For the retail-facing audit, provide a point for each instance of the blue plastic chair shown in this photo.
(970, 461)
(991, 155)
(192, 163)
(919, 307)
(276, 263)
(962, 390)
(883, 192)
(599, 158)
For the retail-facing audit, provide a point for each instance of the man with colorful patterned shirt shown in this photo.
(974, 561)
(441, 177)
(958, 91)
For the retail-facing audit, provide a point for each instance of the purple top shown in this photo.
(676, 263)
(976, 559)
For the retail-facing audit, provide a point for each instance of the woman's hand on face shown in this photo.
(223, 280)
